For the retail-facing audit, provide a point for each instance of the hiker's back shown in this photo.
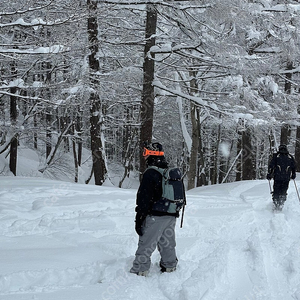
(283, 167)
(173, 194)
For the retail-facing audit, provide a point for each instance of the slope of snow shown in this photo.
(72, 241)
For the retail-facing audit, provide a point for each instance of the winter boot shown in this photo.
(140, 273)
(143, 273)
(279, 202)
(166, 270)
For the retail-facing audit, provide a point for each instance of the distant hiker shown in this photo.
(282, 168)
(159, 199)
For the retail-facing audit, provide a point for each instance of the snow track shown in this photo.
(78, 242)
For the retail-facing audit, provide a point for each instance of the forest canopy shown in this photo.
(216, 82)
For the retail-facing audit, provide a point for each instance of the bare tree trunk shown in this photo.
(193, 161)
(297, 146)
(147, 105)
(201, 180)
(13, 118)
(35, 140)
(248, 168)
(285, 128)
(74, 153)
(215, 171)
(49, 116)
(285, 134)
(245, 167)
(128, 158)
(48, 133)
(14, 142)
(195, 120)
(99, 167)
(78, 127)
(239, 149)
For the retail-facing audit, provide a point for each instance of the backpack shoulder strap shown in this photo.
(164, 172)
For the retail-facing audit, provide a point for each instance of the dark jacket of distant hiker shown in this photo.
(282, 166)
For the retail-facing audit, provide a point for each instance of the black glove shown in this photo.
(293, 176)
(139, 220)
(269, 176)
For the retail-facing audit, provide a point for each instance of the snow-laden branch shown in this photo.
(35, 23)
(54, 49)
(156, 83)
(30, 9)
(283, 8)
(141, 2)
(2, 93)
(168, 48)
(295, 70)
(236, 116)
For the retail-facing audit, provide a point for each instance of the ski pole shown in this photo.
(182, 216)
(296, 190)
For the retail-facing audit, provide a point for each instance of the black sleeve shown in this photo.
(150, 191)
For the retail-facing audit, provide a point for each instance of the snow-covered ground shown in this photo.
(77, 242)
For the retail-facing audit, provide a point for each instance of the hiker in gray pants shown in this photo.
(153, 223)
(157, 231)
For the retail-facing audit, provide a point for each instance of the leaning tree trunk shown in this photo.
(147, 104)
(99, 168)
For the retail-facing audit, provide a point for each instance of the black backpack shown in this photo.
(173, 194)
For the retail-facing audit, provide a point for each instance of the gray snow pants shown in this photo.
(158, 231)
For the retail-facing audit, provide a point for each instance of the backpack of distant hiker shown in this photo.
(173, 195)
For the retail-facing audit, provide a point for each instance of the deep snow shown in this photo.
(72, 241)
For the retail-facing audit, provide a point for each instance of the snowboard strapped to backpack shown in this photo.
(173, 195)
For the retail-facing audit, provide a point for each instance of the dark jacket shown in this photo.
(150, 190)
(282, 167)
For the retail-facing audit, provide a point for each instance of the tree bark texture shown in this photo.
(14, 141)
(95, 101)
(13, 119)
(193, 161)
(147, 104)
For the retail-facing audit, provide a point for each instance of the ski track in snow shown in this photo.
(67, 241)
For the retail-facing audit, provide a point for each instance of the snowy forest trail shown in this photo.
(67, 241)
